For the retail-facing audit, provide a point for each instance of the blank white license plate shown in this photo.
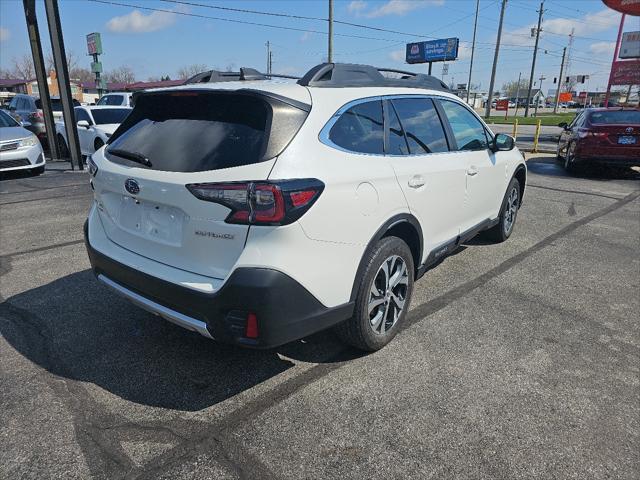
(627, 140)
(150, 220)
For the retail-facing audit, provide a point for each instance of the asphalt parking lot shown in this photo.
(518, 360)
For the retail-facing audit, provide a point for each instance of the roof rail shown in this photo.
(353, 75)
(245, 74)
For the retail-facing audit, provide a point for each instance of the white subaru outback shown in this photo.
(261, 211)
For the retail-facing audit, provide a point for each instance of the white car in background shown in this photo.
(95, 125)
(116, 99)
(19, 148)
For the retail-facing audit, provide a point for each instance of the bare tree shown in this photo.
(510, 89)
(72, 61)
(23, 67)
(84, 75)
(122, 74)
(191, 70)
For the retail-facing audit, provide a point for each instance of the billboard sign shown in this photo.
(502, 105)
(625, 73)
(630, 45)
(94, 44)
(565, 97)
(630, 7)
(432, 51)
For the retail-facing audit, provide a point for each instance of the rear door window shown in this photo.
(116, 100)
(360, 129)
(422, 125)
(189, 131)
(468, 131)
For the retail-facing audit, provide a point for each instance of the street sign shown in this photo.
(582, 95)
(432, 51)
(565, 97)
(502, 105)
(625, 72)
(94, 44)
(445, 69)
(462, 86)
(96, 67)
(630, 45)
(630, 7)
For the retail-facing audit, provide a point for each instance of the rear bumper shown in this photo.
(285, 310)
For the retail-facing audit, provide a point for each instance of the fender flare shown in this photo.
(380, 233)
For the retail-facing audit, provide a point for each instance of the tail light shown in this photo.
(261, 203)
(38, 115)
(585, 132)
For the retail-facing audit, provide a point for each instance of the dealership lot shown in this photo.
(518, 360)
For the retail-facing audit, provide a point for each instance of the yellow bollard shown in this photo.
(515, 129)
(535, 138)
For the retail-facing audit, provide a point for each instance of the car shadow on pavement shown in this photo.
(549, 166)
(76, 328)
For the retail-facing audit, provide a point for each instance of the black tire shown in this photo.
(62, 147)
(97, 144)
(570, 163)
(504, 228)
(359, 329)
(38, 170)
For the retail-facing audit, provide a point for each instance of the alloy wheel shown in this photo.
(511, 210)
(388, 294)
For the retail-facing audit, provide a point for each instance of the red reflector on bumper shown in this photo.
(251, 330)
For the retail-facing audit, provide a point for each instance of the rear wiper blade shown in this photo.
(133, 156)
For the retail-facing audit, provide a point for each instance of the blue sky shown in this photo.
(156, 43)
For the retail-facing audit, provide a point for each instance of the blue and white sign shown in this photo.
(441, 50)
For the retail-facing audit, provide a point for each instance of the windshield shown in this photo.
(56, 104)
(115, 100)
(191, 131)
(7, 121)
(616, 117)
(109, 115)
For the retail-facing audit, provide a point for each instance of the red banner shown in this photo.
(625, 73)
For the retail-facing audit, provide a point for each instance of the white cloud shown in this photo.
(4, 34)
(391, 7)
(356, 6)
(305, 36)
(398, 55)
(137, 22)
(603, 48)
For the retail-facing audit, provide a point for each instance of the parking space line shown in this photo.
(41, 249)
(575, 191)
(37, 189)
(46, 198)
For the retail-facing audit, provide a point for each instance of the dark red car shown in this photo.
(606, 136)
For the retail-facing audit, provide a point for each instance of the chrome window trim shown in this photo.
(323, 136)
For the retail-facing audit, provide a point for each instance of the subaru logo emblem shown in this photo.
(629, 129)
(132, 186)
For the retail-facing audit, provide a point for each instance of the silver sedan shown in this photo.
(19, 148)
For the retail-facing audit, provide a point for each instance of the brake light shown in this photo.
(261, 203)
(37, 114)
(251, 328)
(585, 132)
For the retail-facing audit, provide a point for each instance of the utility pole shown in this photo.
(330, 47)
(555, 107)
(518, 94)
(268, 45)
(542, 77)
(495, 61)
(473, 48)
(535, 53)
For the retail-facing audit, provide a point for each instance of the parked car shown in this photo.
(19, 148)
(28, 110)
(116, 99)
(95, 126)
(250, 217)
(607, 136)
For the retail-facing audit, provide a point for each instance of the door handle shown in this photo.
(472, 170)
(416, 181)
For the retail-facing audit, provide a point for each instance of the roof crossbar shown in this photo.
(353, 75)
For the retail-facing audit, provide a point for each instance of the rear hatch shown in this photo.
(615, 132)
(181, 137)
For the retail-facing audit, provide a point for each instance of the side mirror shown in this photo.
(83, 123)
(13, 109)
(503, 142)
(563, 125)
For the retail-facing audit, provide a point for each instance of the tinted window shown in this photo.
(56, 104)
(467, 129)
(6, 120)
(422, 125)
(616, 117)
(360, 129)
(23, 104)
(14, 102)
(115, 100)
(191, 131)
(109, 115)
(397, 142)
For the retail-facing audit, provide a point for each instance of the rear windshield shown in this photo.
(111, 100)
(190, 131)
(616, 117)
(109, 115)
(56, 104)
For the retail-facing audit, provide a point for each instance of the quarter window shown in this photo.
(360, 129)
(422, 125)
(81, 114)
(467, 129)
